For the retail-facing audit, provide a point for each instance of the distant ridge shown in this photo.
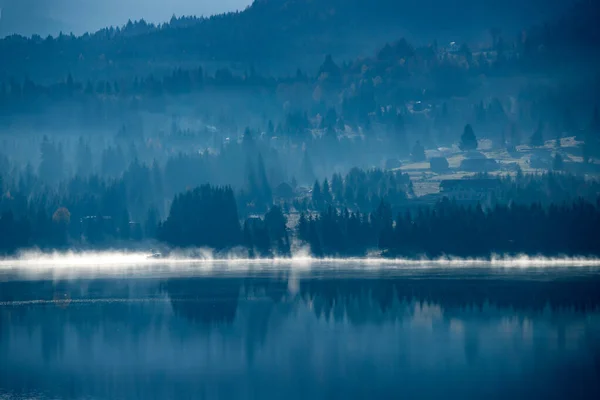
(279, 30)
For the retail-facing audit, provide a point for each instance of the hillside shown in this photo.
(575, 32)
(290, 33)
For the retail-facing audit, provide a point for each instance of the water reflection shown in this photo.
(314, 335)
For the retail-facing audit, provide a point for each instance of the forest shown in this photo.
(188, 135)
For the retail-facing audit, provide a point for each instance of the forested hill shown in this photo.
(282, 31)
(575, 33)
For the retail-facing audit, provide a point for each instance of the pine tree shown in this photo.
(537, 139)
(337, 188)
(558, 163)
(327, 198)
(248, 239)
(303, 228)
(52, 166)
(468, 140)
(515, 136)
(592, 137)
(263, 183)
(317, 197)
(307, 173)
(418, 153)
(124, 227)
(314, 240)
(595, 123)
(84, 158)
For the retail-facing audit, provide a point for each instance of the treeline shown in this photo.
(442, 73)
(358, 190)
(284, 29)
(445, 72)
(566, 229)
(89, 214)
(208, 217)
(449, 229)
(372, 97)
(546, 189)
(27, 96)
(259, 174)
(127, 208)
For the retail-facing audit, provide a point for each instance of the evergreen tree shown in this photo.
(595, 123)
(468, 140)
(558, 163)
(266, 195)
(303, 228)
(592, 135)
(60, 221)
(206, 216)
(124, 225)
(248, 139)
(326, 192)
(307, 173)
(52, 167)
(84, 158)
(151, 223)
(515, 136)
(337, 187)
(537, 139)
(317, 197)
(248, 239)
(276, 224)
(418, 153)
(314, 240)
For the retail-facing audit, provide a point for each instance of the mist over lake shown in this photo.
(301, 332)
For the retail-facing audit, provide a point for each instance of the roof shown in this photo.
(477, 164)
(453, 184)
(440, 159)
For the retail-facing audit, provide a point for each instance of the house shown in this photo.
(472, 190)
(479, 165)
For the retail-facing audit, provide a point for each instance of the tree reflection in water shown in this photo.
(249, 336)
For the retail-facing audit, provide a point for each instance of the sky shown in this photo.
(51, 16)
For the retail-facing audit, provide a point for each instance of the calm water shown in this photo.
(286, 332)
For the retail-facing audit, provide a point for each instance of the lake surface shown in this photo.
(305, 331)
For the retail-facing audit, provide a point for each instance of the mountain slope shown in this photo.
(282, 31)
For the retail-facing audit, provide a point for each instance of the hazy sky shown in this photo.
(51, 16)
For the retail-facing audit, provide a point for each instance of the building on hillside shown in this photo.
(484, 191)
(479, 165)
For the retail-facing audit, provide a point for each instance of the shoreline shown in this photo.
(206, 256)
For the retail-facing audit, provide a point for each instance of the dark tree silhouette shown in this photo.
(468, 140)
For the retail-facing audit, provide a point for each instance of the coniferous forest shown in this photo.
(388, 139)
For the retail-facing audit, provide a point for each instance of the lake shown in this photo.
(321, 330)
